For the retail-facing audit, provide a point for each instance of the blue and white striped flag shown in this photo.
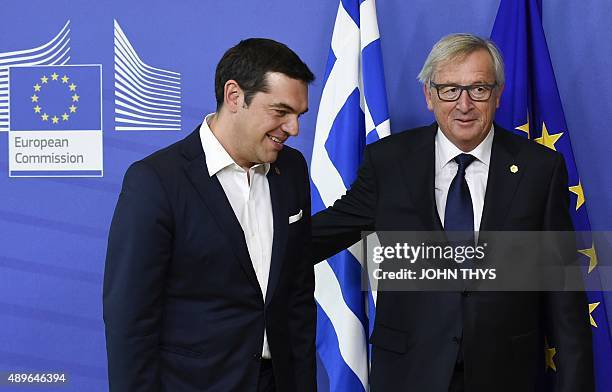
(352, 113)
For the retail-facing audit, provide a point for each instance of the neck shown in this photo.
(222, 128)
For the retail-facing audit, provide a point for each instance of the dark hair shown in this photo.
(248, 63)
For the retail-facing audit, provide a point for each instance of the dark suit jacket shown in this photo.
(182, 305)
(417, 334)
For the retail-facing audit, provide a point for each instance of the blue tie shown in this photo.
(459, 213)
(459, 217)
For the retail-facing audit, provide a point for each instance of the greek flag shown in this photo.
(352, 113)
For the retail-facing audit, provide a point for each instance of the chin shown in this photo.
(471, 133)
(270, 158)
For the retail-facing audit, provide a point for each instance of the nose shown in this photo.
(291, 126)
(464, 103)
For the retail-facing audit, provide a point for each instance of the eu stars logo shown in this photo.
(66, 97)
(46, 84)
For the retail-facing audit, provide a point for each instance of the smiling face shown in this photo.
(261, 128)
(465, 122)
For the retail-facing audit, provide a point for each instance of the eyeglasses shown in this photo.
(452, 92)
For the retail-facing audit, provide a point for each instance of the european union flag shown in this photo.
(531, 106)
(55, 98)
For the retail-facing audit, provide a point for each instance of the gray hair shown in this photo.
(457, 47)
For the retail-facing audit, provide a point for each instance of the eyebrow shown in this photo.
(284, 106)
(479, 81)
(465, 85)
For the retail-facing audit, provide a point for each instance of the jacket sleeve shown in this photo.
(567, 310)
(339, 226)
(139, 248)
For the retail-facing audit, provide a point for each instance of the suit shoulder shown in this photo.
(402, 142)
(529, 148)
(164, 155)
(290, 153)
(290, 156)
(159, 169)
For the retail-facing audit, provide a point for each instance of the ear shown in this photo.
(498, 97)
(232, 96)
(427, 93)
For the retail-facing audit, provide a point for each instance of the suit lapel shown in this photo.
(281, 225)
(505, 173)
(419, 172)
(213, 195)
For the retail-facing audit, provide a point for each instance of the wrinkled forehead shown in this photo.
(457, 64)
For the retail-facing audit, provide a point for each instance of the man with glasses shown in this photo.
(463, 173)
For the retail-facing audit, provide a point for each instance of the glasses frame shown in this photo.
(463, 88)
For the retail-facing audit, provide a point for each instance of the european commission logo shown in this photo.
(52, 110)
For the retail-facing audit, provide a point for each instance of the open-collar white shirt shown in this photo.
(250, 200)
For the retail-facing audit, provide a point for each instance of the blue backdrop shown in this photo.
(53, 230)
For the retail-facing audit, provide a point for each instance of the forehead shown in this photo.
(285, 91)
(474, 67)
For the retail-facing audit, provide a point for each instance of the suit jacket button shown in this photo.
(257, 356)
(466, 293)
(456, 339)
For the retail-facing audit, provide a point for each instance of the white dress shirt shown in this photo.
(251, 203)
(476, 174)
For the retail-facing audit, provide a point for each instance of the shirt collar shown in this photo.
(217, 158)
(447, 150)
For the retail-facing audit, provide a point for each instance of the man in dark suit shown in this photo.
(463, 173)
(208, 283)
